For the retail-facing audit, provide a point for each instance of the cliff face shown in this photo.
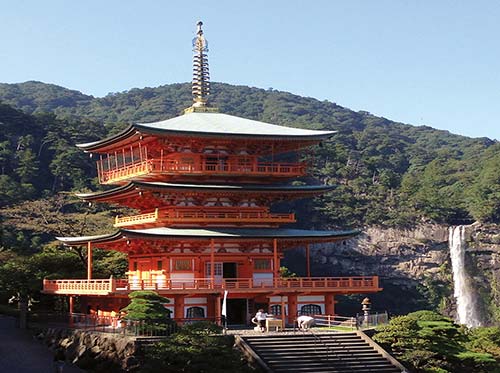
(414, 267)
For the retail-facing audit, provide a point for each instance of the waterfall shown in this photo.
(466, 308)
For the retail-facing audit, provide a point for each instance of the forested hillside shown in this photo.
(386, 173)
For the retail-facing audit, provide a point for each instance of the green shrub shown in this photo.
(195, 349)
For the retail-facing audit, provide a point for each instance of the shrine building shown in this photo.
(204, 185)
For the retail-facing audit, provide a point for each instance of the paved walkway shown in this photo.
(21, 353)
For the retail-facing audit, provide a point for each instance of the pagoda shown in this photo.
(203, 185)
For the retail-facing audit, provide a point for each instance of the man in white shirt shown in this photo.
(261, 317)
(305, 321)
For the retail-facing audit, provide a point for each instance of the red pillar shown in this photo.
(89, 261)
(276, 264)
(283, 313)
(218, 311)
(329, 304)
(179, 307)
(292, 308)
(71, 304)
(212, 263)
(308, 261)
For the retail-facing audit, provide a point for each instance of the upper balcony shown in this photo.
(191, 166)
(341, 285)
(206, 215)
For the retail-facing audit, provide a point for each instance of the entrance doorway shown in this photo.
(229, 270)
(236, 311)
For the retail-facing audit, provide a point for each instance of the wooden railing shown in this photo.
(310, 284)
(95, 287)
(165, 166)
(206, 215)
(151, 217)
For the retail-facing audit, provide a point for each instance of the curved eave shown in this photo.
(235, 233)
(84, 240)
(206, 234)
(208, 125)
(155, 186)
(160, 131)
(127, 133)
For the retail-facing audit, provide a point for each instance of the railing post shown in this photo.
(112, 284)
(89, 260)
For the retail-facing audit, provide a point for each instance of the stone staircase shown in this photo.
(318, 353)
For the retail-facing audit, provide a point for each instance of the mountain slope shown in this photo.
(386, 172)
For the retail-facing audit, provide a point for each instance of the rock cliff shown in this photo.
(414, 268)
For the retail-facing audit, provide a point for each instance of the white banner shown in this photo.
(224, 302)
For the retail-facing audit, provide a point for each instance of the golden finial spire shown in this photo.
(201, 75)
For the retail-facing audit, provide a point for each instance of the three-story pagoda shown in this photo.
(203, 185)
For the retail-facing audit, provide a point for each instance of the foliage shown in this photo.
(429, 342)
(195, 349)
(201, 327)
(485, 340)
(146, 305)
(286, 273)
(386, 173)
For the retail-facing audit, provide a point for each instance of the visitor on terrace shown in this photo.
(261, 317)
(305, 322)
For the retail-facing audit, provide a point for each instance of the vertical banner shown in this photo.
(224, 310)
(224, 304)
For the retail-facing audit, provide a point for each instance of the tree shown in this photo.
(428, 342)
(147, 306)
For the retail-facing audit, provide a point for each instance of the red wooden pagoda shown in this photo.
(203, 184)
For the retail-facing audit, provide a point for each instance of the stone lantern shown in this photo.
(366, 306)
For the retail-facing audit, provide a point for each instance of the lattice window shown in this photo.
(195, 313)
(262, 264)
(217, 269)
(310, 309)
(275, 309)
(183, 265)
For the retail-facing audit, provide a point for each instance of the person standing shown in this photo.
(261, 317)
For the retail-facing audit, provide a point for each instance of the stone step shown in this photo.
(363, 359)
(311, 346)
(302, 337)
(339, 353)
(325, 368)
(312, 349)
(298, 354)
(312, 357)
(317, 369)
(337, 369)
(304, 341)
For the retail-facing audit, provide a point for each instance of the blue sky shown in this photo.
(419, 62)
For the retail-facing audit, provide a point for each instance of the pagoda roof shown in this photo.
(134, 185)
(204, 234)
(210, 125)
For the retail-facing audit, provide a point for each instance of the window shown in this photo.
(310, 309)
(159, 265)
(134, 266)
(275, 309)
(217, 269)
(195, 313)
(262, 264)
(183, 265)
